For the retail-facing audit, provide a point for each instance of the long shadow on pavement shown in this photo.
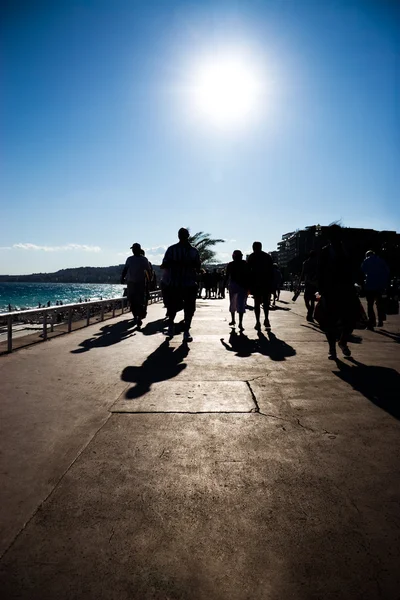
(162, 364)
(380, 385)
(270, 346)
(393, 336)
(153, 327)
(107, 336)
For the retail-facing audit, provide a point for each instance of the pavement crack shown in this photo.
(258, 377)
(305, 426)
(276, 417)
(55, 486)
(257, 408)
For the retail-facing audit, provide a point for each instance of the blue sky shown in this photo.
(101, 143)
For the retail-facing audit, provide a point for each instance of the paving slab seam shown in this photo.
(128, 385)
(107, 418)
(186, 412)
(257, 408)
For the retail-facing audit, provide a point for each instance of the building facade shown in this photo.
(295, 246)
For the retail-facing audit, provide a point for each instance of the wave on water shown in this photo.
(21, 296)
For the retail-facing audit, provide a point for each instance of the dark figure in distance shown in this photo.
(261, 282)
(309, 276)
(338, 296)
(207, 284)
(137, 272)
(183, 262)
(221, 285)
(376, 274)
(276, 282)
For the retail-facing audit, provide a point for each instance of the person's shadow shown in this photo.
(390, 334)
(107, 336)
(153, 327)
(380, 385)
(162, 364)
(268, 345)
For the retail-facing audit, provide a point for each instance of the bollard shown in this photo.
(9, 334)
(69, 319)
(87, 316)
(45, 326)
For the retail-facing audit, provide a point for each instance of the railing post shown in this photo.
(53, 319)
(69, 319)
(102, 313)
(113, 308)
(45, 325)
(88, 316)
(9, 334)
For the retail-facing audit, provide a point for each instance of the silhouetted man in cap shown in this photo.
(183, 262)
(136, 271)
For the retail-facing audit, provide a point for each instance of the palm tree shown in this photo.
(203, 242)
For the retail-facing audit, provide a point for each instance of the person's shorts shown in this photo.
(261, 295)
(182, 298)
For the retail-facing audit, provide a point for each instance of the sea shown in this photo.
(21, 295)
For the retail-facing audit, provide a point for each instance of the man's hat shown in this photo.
(136, 246)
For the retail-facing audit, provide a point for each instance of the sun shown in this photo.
(227, 90)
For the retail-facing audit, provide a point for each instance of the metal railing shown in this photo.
(49, 319)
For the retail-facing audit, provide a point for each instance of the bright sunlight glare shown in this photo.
(227, 91)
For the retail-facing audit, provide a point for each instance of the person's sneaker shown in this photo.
(257, 326)
(187, 337)
(232, 323)
(267, 324)
(332, 354)
(139, 322)
(310, 319)
(345, 349)
(171, 331)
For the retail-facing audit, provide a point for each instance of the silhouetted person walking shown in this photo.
(309, 276)
(183, 262)
(137, 272)
(376, 274)
(261, 282)
(237, 275)
(276, 282)
(221, 285)
(338, 297)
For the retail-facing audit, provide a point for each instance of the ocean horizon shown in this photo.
(25, 295)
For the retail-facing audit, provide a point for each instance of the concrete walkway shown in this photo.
(237, 467)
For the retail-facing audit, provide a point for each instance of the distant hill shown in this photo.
(84, 275)
(77, 275)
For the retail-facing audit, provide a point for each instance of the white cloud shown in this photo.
(67, 247)
(156, 250)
